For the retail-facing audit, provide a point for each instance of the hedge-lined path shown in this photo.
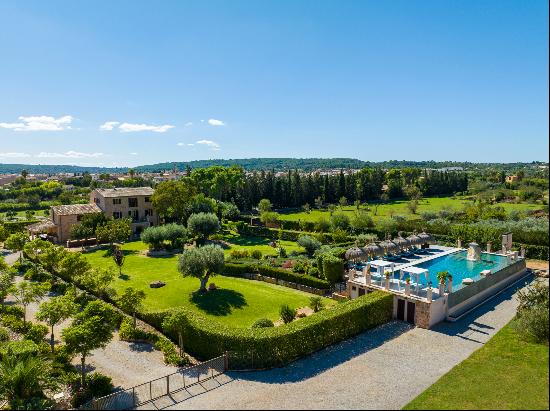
(128, 364)
(384, 368)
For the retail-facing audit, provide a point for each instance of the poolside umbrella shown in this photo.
(426, 238)
(414, 239)
(355, 253)
(389, 246)
(373, 249)
(402, 243)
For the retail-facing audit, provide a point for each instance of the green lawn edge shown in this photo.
(506, 373)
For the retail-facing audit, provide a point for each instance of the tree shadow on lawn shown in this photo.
(220, 302)
(333, 356)
(109, 252)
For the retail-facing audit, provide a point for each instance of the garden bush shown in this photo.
(238, 270)
(309, 243)
(4, 334)
(287, 314)
(256, 254)
(23, 347)
(316, 303)
(36, 332)
(276, 346)
(263, 323)
(333, 268)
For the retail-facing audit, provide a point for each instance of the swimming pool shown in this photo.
(459, 267)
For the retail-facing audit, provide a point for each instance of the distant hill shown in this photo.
(277, 164)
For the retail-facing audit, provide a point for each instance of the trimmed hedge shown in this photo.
(237, 270)
(272, 347)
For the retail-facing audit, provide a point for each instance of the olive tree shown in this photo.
(55, 310)
(201, 263)
(91, 329)
(131, 301)
(203, 224)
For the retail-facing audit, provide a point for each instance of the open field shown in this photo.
(399, 207)
(237, 302)
(506, 373)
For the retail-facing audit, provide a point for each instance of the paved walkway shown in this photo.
(383, 368)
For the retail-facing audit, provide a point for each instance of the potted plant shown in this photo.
(442, 277)
(408, 286)
(449, 283)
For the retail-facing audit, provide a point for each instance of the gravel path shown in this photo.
(128, 364)
(383, 368)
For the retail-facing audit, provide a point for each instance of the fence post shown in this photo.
(225, 361)
(150, 391)
(167, 385)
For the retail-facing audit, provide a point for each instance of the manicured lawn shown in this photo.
(257, 243)
(237, 302)
(506, 373)
(400, 208)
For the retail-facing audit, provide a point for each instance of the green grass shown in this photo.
(250, 243)
(506, 373)
(399, 207)
(237, 302)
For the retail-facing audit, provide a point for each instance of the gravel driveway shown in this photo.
(128, 364)
(383, 368)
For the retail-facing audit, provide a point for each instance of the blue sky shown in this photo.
(127, 82)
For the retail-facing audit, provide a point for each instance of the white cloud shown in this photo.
(212, 144)
(40, 123)
(181, 144)
(133, 154)
(214, 122)
(184, 144)
(68, 154)
(188, 124)
(129, 127)
(109, 125)
(14, 155)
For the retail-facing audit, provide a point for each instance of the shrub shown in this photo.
(316, 303)
(310, 244)
(333, 268)
(238, 270)
(256, 254)
(4, 334)
(532, 314)
(203, 224)
(263, 323)
(23, 347)
(99, 385)
(238, 254)
(287, 314)
(36, 333)
(276, 346)
(313, 272)
(533, 324)
(339, 221)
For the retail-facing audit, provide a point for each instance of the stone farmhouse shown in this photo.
(132, 202)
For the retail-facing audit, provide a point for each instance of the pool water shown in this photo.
(459, 267)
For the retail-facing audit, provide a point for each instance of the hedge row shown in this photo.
(237, 270)
(276, 346)
(17, 226)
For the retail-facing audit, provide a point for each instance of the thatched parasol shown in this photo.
(402, 243)
(414, 239)
(355, 253)
(373, 249)
(389, 246)
(426, 238)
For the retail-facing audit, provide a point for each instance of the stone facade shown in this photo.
(134, 203)
(422, 314)
(65, 216)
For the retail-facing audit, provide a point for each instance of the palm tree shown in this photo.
(24, 378)
(442, 276)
